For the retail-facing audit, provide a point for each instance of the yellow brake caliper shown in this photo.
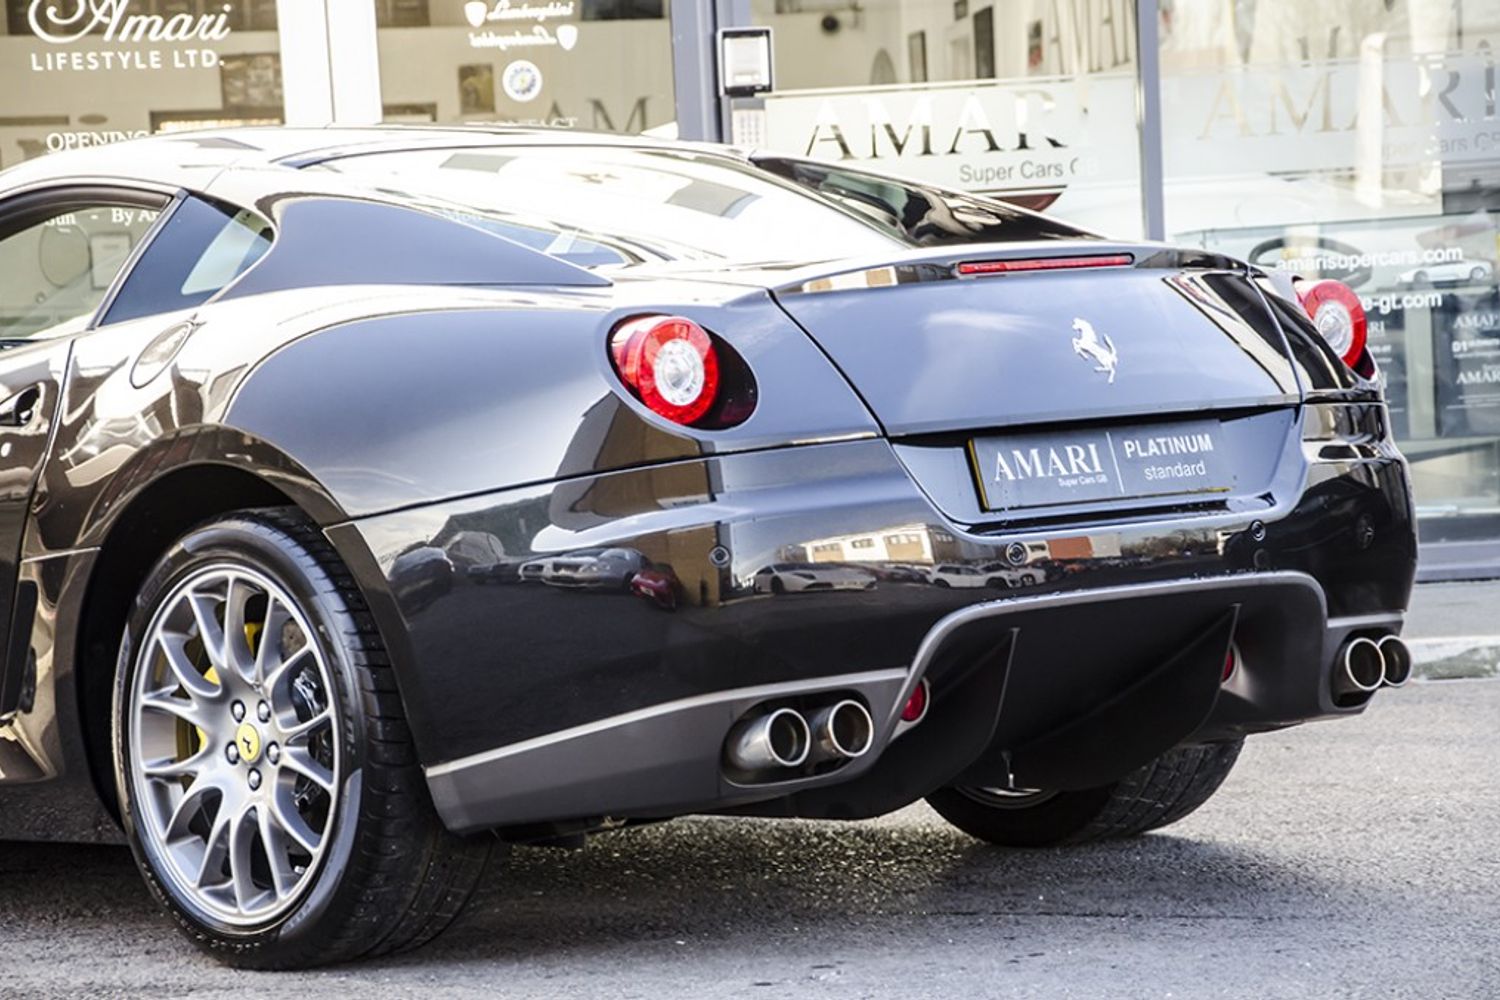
(190, 739)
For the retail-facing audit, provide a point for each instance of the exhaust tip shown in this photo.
(777, 739)
(1360, 668)
(1396, 656)
(843, 730)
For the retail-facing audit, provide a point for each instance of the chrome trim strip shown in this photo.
(654, 711)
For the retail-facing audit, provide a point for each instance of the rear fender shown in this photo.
(415, 408)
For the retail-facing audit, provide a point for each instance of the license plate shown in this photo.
(1081, 466)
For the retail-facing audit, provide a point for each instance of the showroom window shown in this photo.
(602, 65)
(82, 73)
(1034, 102)
(1360, 141)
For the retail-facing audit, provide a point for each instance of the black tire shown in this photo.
(777, 587)
(1162, 792)
(392, 877)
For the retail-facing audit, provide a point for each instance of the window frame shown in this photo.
(30, 206)
(181, 197)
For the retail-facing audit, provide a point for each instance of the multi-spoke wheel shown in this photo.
(234, 747)
(266, 779)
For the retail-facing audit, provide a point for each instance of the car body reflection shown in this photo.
(796, 578)
(594, 569)
(657, 584)
(957, 576)
(422, 574)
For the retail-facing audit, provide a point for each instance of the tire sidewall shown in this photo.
(268, 549)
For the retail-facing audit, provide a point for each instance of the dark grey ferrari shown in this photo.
(374, 498)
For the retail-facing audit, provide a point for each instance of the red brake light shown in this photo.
(1336, 312)
(975, 267)
(669, 362)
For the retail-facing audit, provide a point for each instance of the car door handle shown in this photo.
(21, 408)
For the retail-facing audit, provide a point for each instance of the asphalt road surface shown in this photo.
(1354, 859)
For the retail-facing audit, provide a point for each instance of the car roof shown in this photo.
(194, 159)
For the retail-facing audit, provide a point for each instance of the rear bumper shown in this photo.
(533, 703)
(1019, 694)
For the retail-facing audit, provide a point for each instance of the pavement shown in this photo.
(1453, 629)
(1352, 859)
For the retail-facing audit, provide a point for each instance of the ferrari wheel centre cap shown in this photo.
(247, 738)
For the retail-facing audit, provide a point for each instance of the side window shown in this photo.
(57, 264)
(201, 248)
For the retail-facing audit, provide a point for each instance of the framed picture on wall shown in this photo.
(476, 89)
(916, 56)
(251, 80)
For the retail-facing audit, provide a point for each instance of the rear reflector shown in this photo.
(974, 267)
(916, 705)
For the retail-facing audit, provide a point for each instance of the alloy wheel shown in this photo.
(233, 746)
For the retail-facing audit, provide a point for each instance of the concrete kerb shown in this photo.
(1450, 657)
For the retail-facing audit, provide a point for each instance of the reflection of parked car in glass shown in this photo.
(956, 575)
(1001, 574)
(658, 584)
(793, 578)
(594, 569)
(1452, 272)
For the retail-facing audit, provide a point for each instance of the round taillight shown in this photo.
(669, 363)
(1336, 312)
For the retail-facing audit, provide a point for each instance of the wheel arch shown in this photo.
(149, 505)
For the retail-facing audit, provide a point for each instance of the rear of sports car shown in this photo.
(1182, 509)
(1150, 496)
(655, 481)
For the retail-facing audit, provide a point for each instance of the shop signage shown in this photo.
(116, 23)
(1038, 135)
(1367, 114)
(512, 30)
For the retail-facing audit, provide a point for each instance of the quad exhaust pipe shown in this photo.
(1364, 664)
(785, 738)
(842, 731)
(1360, 668)
(777, 739)
(1396, 656)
